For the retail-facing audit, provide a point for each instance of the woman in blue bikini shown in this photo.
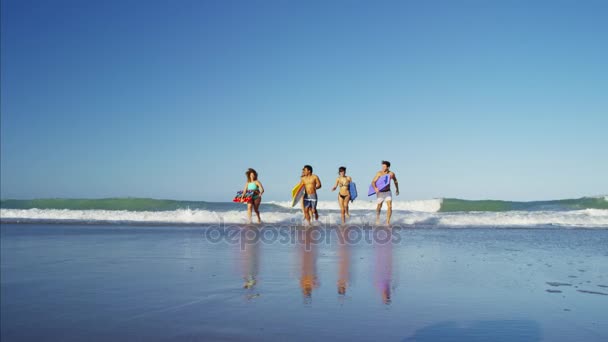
(253, 184)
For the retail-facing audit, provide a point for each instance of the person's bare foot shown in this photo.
(316, 215)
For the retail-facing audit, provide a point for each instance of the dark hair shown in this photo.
(308, 167)
(342, 169)
(387, 163)
(249, 172)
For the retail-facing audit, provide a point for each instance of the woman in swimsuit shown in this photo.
(253, 184)
(343, 181)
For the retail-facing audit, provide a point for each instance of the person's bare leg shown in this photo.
(378, 209)
(307, 214)
(346, 200)
(314, 210)
(249, 207)
(389, 211)
(342, 210)
(347, 211)
(256, 207)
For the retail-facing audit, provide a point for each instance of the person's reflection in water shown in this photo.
(250, 256)
(383, 247)
(308, 266)
(344, 261)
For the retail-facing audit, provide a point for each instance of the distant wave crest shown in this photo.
(431, 205)
(589, 212)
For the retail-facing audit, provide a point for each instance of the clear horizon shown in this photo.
(501, 100)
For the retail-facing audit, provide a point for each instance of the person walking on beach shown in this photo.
(311, 184)
(253, 184)
(344, 194)
(301, 179)
(385, 195)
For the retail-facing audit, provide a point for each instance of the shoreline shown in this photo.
(162, 283)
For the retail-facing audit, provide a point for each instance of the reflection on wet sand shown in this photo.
(250, 260)
(147, 289)
(343, 261)
(308, 263)
(307, 248)
(384, 267)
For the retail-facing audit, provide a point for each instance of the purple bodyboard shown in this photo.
(382, 183)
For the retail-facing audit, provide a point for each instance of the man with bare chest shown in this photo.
(311, 184)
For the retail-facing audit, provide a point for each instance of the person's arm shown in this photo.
(244, 191)
(261, 187)
(396, 184)
(318, 183)
(374, 182)
(336, 185)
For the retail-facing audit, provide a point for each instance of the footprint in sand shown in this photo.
(553, 291)
(556, 284)
(593, 292)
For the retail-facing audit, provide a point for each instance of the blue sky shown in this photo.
(176, 99)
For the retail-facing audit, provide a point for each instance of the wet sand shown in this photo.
(125, 283)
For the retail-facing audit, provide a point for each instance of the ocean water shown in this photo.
(138, 282)
(588, 212)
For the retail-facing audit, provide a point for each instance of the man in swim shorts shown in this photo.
(385, 195)
(311, 184)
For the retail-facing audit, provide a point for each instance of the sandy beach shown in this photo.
(126, 283)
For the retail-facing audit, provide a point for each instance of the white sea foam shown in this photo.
(181, 216)
(588, 218)
(429, 206)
